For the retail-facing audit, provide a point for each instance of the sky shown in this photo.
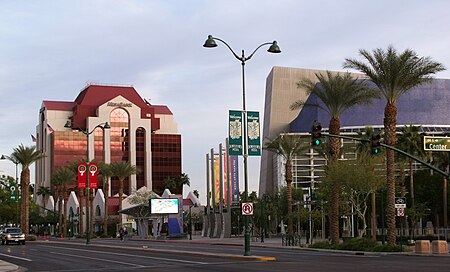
(50, 50)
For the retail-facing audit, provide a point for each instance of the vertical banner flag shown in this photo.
(216, 178)
(82, 175)
(235, 132)
(93, 175)
(253, 134)
(234, 178)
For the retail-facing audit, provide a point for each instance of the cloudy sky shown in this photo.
(50, 50)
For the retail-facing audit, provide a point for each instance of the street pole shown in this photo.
(210, 43)
(88, 197)
(88, 201)
(190, 222)
(17, 194)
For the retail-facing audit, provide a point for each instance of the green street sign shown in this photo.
(432, 143)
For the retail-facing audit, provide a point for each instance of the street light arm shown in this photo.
(229, 47)
(86, 132)
(251, 55)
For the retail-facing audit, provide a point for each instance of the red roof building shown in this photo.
(146, 135)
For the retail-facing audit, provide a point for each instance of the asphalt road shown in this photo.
(112, 255)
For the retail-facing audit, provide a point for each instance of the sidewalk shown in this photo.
(7, 267)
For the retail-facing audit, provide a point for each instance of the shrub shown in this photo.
(31, 237)
(386, 248)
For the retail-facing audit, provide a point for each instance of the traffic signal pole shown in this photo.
(445, 174)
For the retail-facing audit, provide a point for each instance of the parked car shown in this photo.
(14, 235)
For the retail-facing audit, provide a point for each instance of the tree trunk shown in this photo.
(60, 214)
(105, 219)
(64, 212)
(120, 201)
(334, 149)
(411, 183)
(390, 124)
(289, 196)
(80, 215)
(24, 201)
(374, 218)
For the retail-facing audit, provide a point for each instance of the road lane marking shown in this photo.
(15, 257)
(98, 259)
(128, 255)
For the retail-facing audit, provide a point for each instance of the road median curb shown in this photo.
(146, 248)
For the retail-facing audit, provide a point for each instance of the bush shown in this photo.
(322, 245)
(386, 248)
(358, 244)
(31, 237)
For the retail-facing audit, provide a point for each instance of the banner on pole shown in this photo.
(82, 172)
(253, 134)
(235, 133)
(234, 178)
(93, 175)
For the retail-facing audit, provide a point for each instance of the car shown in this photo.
(14, 235)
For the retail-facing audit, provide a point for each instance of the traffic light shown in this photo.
(375, 146)
(316, 134)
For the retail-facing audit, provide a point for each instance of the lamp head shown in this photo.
(210, 42)
(106, 126)
(68, 124)
(3, 157)
(274, 48)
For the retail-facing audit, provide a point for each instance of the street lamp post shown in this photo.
(17, 186)
(210, 43)
(88, 202)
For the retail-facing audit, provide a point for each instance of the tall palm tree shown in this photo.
(122, 170)
(288, 146)
(25, 155)
(60, 178)
(394, 74)
(410, 141)
(338, 92)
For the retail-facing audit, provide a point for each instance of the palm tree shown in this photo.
(196, 193)
(25, 155)
(122, 170)
(182, 180)
(442, 160)
(44, 192)
(338, 92)
(105, 175)
(288, 146)
(61, 177)
(410, 141)
(175, 184)
(394, 74)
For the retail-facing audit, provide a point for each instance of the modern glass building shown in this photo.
(425, 106)
(146, 135)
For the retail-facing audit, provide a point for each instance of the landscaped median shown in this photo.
(360, 244)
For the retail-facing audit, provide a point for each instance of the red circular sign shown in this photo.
(247, 208)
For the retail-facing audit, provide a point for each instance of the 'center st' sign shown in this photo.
(432, 143)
